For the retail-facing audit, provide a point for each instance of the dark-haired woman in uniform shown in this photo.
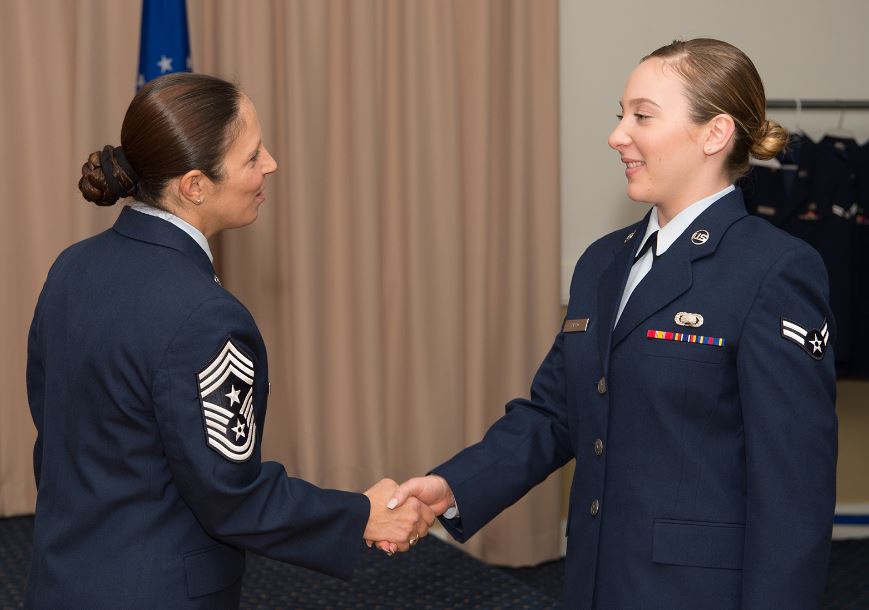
(692, 379)
(148, 381)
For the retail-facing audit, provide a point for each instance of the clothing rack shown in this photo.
(795, 104)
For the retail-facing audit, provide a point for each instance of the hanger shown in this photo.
(772, 164)
(839, 131)
(798, 129)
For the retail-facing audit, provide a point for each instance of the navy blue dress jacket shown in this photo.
(148, 383)
(705, 453)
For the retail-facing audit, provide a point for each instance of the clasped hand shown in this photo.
(401, 515)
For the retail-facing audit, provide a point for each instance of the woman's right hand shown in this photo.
(396, 527)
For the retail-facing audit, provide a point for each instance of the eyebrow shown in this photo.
(640, 100)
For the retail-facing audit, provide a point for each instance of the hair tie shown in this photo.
(121, 158)
(106, 165)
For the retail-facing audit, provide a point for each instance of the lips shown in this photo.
(632, 166)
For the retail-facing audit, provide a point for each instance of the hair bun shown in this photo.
(107, 176)
(769, 140)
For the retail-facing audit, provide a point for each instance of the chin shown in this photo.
(636, 194)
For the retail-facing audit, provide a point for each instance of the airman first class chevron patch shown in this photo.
(813, 341)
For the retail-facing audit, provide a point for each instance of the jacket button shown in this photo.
(598, 447)
(601, 386)
(595, 508)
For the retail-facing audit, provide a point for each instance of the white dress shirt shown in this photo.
(667, 234)
(185, 226)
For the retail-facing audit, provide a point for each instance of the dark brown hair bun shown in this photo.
(104, 179)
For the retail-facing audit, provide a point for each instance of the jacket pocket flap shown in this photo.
(212, 569)
(698, 543)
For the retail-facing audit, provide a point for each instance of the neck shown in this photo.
(667, 210)
(189, 214)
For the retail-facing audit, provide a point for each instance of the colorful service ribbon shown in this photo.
(671, 336)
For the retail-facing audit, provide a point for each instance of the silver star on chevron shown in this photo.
(239, 430)
(233, 396)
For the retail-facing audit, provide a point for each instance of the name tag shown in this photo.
(575, 326)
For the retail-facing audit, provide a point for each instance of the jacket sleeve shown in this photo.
(787, 392)
(519, 451)
(36, 391)
(246, 502)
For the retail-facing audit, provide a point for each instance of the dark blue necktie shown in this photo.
(651, 242)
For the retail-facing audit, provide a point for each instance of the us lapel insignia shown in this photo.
(699, 237)
(813, 341)
(694, 320)
(226, 397)
(630, 236)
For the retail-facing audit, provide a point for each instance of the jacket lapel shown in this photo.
(668, 278)
(671, 275)
(611, 285)
(143, 227)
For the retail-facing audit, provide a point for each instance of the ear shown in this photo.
(191, 187)
(719, 133)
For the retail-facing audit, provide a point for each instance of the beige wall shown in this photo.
(805, 49)
(853, 476)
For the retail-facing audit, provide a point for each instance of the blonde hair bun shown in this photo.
(769, 140)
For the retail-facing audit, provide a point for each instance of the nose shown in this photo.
(269, 164)
(619, 137)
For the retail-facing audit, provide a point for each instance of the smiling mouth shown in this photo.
(634, 164)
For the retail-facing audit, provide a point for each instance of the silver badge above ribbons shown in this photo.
(694, 320)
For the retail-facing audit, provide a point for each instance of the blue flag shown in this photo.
(164, 46)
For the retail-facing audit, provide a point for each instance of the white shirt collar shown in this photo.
(681, 221)
(185, 226)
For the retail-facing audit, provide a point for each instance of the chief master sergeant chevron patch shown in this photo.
(226, 394)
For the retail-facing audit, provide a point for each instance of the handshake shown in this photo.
(401, 515)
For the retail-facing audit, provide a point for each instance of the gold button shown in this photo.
(598, 447)
(601, 386)
(595, 508)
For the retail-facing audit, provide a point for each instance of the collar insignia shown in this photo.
(700, 237)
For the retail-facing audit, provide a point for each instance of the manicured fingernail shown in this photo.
(368, 543)
(392, 503)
